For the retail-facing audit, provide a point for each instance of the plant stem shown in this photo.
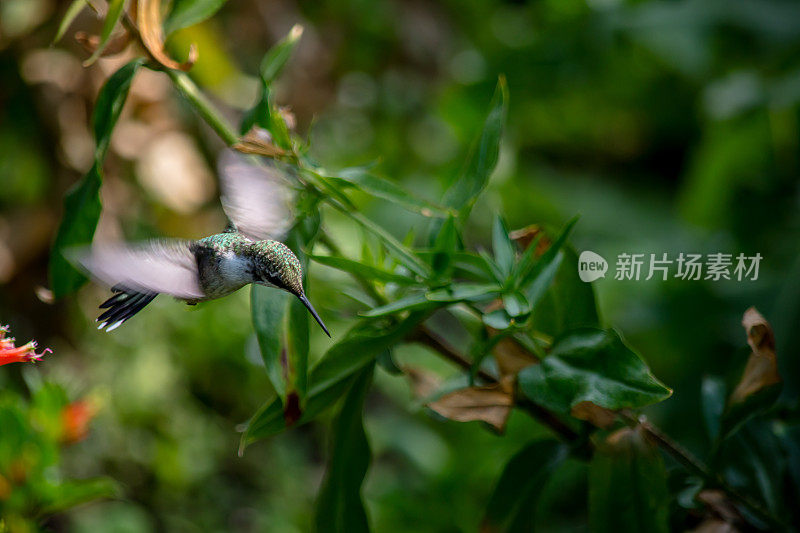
(204, 107)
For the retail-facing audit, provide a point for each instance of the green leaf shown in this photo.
(276, 58)
(482, 158)
(411, 302)
(516, 304)
(628, 486)
(568, 303)
(82, 202)
(361, 269)
(513, 502)
(398, 250)
(187, 13)
(115, 10)
(388, 190)
(70, 15)
(445, 245)
(339, 506)
(109, 105)
(504, 252)
(263, 113)
(538, 279)
(591, 365)
(70, 494)
(268, 308)
(713, 393)
(457, 292)
(331, 376)
(498, 319)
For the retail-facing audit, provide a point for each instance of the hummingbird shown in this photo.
(256, 199)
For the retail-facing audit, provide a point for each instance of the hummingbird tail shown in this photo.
(124, 304)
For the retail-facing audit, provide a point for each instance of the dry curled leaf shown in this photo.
(593, 413)
(491, 404)
(152, 33)
(258, 141)
(761, 370)
(525, 236)
(115, 45)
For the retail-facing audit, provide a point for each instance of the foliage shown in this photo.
(525, 332)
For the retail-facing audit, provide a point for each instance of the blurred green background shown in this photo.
(669, 126)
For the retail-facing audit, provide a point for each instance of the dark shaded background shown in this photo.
(668, 126)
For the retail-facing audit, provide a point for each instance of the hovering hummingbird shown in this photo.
(256, 200)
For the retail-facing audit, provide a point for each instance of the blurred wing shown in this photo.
(257, 199)
(158, 266)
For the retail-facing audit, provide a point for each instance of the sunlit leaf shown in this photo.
(339, 506)
(152, 34)
(591, 365)
(185, 13)
(513, 503)
(115, 10)
(82, 203)
(628, 485)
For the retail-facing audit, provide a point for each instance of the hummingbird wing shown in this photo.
(256, 198)
(160, 266)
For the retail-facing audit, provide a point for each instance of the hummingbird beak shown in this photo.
(313, 312)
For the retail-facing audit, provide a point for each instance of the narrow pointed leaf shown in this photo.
(483, 156)
(115, 10)
(411, 302)
(388, 190)
(82, 203)
(402, 253)
(361, 269)
(591, 365)
(339, 505)
(268, 307)
(504, 253)
(185, 13)
(70, 15)
(512, 505)
(538, 279)
(457, 292)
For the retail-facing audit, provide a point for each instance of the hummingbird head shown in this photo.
(276, 265)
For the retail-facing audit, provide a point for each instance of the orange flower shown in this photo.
(9, 353)
(75, 419)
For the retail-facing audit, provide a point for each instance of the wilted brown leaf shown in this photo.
(491, 404)
(591, 412)
(115, 45)
(152, 33)
(525, 236)
(258, 141)
(761, 370)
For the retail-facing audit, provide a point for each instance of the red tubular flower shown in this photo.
(75, 418)
(9, 353)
